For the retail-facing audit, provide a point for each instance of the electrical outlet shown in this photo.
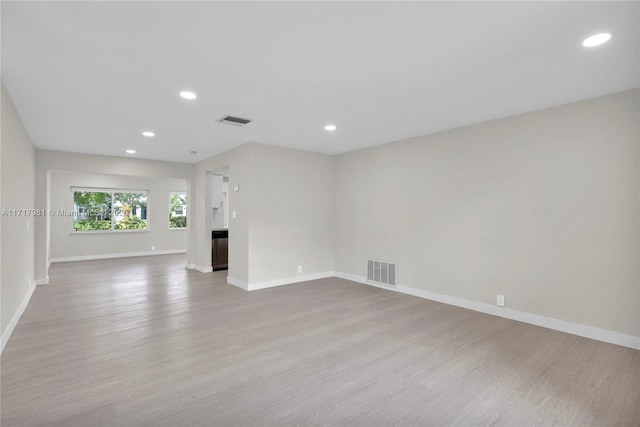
(299, 269)
(233, 214)
(153, 248)
(500, 300)
(28, 283)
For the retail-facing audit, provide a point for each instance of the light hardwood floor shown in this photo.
(144, 342)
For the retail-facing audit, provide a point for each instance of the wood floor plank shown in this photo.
(144, 342)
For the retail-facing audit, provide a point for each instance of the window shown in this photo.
(109, 210)
(177, 210)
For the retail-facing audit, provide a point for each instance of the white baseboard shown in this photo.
(199, 268)
(521, 316)
(202, 269)
(118, 255)
(16, 317)
(41, 282)
(290, 280)
(278, 282)
(237, 282)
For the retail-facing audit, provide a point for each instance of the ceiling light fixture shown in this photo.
(148, 134)
(188, 95)
(330, 128)
(131, 151)
(596, 40)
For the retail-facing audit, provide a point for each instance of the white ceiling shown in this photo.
(91, 76)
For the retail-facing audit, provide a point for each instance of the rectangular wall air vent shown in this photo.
(381, 272)
(232, 120)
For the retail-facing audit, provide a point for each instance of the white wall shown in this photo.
(66, 244)
(50, 163)
(17, 241)
(284, 212)
(225, 198)
(292, 213)
(541, 207)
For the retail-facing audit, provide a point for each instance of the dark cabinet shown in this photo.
(219, 249)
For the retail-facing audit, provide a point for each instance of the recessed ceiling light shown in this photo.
(596, 40)
(330, 128)
(148, 133)
(188, 95)
(131, 151)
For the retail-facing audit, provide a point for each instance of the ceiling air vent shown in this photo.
(232, 120)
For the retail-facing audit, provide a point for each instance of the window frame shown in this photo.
(185, 207)
(112, 192)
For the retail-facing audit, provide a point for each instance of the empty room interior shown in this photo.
(320, 213)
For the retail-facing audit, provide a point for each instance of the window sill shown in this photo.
(78, 233)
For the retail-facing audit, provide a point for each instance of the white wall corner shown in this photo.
(16, 317)
(521, 316)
